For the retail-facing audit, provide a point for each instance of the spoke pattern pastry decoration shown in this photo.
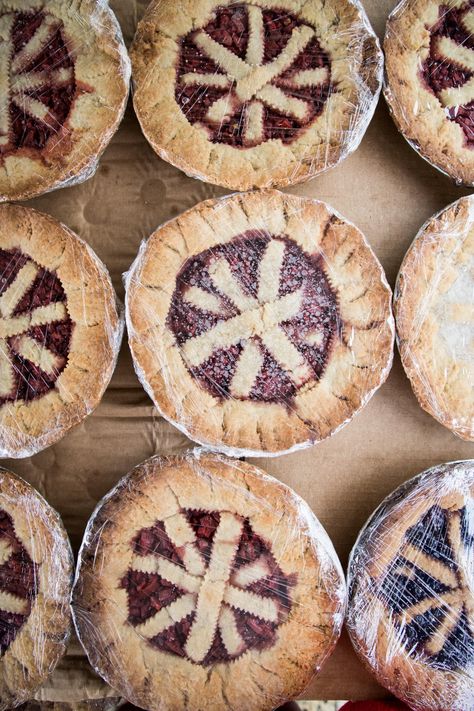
(204, 586)
(449, 69)
(429, 588)
(37, 68)
(35, 328)
(18, 583)
(251, 75)
(255, 318)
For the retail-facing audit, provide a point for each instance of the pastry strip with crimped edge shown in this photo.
(60, 331)
(255, 94)
(259, 322)
(411, 606)
(36, 567)
(242, 622)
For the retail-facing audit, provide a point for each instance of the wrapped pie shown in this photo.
(36, 568)
(434, 310)
(203, 583)
(411, 592)
(429, 62)
(59, 330)
(255, 94)
(259, 322)
(64, 78)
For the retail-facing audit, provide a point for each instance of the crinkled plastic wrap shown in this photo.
(411, 590)
(60, 330)
(434, 311)
(35, 586)
(429, 54)
(259, 323)
(203, 583)
(255, 94)
(64, 74)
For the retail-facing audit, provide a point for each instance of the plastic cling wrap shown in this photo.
(429, 58)
(205, 584)
(411, 590)
(64, 79)
(434, 309)
(59, 330)
(35, 586)
(255, 94)
(259, 322)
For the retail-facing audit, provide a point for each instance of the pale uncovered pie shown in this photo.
(429, 61)
(59, 330)
(64, 77)
(434, 310)
(36, 568)
(205, 584)
(411, 592)
(255, 94)
(259, 322)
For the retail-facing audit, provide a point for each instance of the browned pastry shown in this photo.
(259, 322)
(59, 330)
(36, 567)
(64, 75)
(434, 309)
(429, 60)
(411, 608)
(255, 94)
(205, 584)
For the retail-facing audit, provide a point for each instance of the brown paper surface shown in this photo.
(388, 191)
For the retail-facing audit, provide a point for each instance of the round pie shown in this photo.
(259, 322)
(429, 62)
(59, 330)
(434, 309)
(411, 606)
(36, 568)
(205, 584)
(255, 94)
(64, 77)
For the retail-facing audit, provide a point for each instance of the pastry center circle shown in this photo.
(37, 67)
(252, 75)
(449, 68)
(18, 583)
(428, 590)
(204, 586)
(255, 318)
(35, 328)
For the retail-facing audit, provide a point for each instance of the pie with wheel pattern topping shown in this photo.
(205, 584)
(36, 567)
(429, 53)
(255, 94)
(59, 330)
(434, 311)
(64, 76)
(411, 608)
(259, 322)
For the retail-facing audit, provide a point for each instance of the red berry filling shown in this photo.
(27, 380)
(148, 593)
(50, 83)
(230, 29)
(18, 577)
(440, 73)
(311, 331)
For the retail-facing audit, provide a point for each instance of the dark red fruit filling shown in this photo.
(440, 73)
(30, 381)
(230, 28)
(149, 593)
(19, 577)
(26, 131)
(319, 313)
